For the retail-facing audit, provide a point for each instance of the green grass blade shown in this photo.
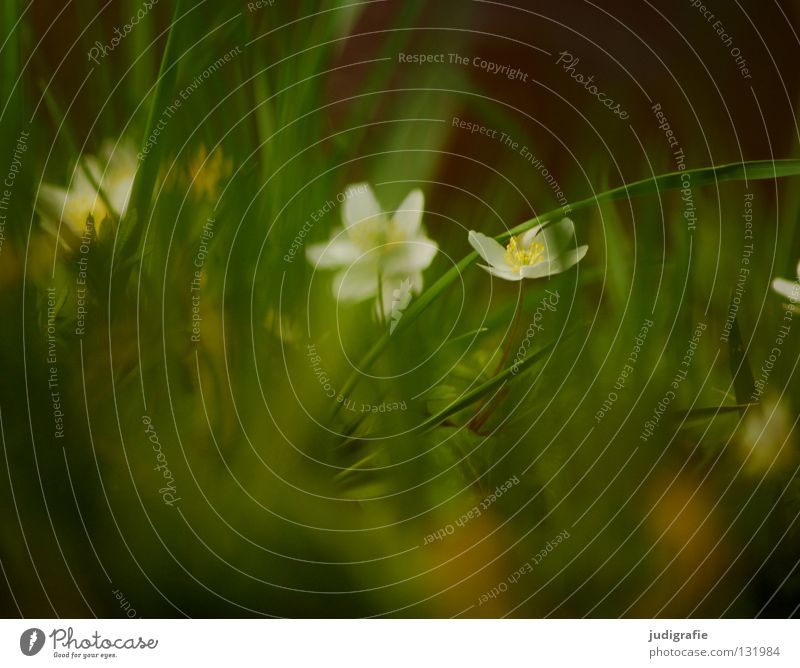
(485, 388)
(743, 383)
(147, 173)
(753, 170)
(475, 333)
(411, 313)
(10, 37)
(709, 412)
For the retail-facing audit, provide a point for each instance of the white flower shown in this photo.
(764, 438)
(541, 251)
(789, 289)
(373, 250)
(74, 205)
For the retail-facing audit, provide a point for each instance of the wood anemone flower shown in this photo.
(114, 171)
(375, 253)
(539, 252)
(789, 289)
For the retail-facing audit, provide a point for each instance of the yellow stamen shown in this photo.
(518, 256)
(368, 234)
(376, 234)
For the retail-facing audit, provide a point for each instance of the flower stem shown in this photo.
(381, 314)
(486, 409)
(509, 342)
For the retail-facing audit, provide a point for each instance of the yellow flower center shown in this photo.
(374, 235)
(518, 256)
(366, 234)
(80, 207)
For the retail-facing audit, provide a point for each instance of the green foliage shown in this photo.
(314, 451)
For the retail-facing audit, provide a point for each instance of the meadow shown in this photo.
(399, 309)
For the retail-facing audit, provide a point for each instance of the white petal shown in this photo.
(408, 217)
(489, 249)
(357, 282)
(538, 270)
(557, 265)
(788, 289)
(51, 200)
(69, 207)
(409, 256)
(119, 193)
(80, 182)
(360, 205)
(505, 274)
(95, 169)
(338, 252)
(530, 235)
(120, 158)
(568, 259)
(556, 238)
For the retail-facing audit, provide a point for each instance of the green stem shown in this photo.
(381, 314)
(490, 385)
(509, 342)
(146, 174)
(487, 407)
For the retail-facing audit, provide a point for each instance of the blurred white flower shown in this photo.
(375, 253)
(113, 171)
(764, 438)
(789, 289)
(541, 251)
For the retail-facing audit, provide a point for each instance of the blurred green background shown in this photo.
(288, 507)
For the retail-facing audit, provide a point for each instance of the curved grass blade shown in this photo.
(753, 170)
